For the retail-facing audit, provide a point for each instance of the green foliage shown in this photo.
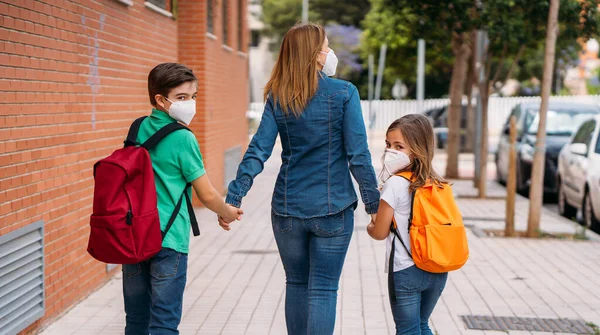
(511, 25)
(346, 12)
(594, 88)
(281, 15)
(396, 26)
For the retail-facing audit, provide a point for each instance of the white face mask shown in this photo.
(393, 161)
(330, 64)
(183, 111)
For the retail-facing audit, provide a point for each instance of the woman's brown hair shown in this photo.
(294, 78)
(418, 135)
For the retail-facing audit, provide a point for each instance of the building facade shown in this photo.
(73, 76)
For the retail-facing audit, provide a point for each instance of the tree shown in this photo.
(537, 174)
(448, 21)
(281, 15)
(515, 27)
(341, 24)
(447, 27)
(346, 13)
(397, 27)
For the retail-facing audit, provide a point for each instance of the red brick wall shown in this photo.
(226, 87)
(223, 82)
(72, 78)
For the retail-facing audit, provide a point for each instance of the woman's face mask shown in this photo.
(331, 62)
(393, 161)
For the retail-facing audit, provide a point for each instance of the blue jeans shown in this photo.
(417, 292)
(153, 293)
(312, 252)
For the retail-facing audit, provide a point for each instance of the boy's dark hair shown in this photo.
(166, 76)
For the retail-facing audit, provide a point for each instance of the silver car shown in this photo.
(579, 174)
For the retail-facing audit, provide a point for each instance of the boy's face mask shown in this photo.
(182, 111)
(393, 161)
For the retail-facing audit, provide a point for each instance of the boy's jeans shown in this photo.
(312, 252)
(153, 293)
(417, 292)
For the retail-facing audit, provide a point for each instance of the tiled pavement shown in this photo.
(236, 281)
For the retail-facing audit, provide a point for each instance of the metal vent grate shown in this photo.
(233, 157)
(21, 278)
(506, 323)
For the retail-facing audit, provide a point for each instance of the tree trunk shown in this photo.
(484, 91)
(461, 50)
(537, 175)
(470, 131)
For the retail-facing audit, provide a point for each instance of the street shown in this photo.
(237, 284)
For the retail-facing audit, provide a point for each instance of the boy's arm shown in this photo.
(192, 168)
(213, 200)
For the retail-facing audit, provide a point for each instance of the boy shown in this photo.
(153, 289)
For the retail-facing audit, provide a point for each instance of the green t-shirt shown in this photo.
(176, 160)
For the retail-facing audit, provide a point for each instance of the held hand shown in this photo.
(231, 214)
(223, 224)
(373, 217)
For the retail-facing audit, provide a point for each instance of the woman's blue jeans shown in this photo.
(312, 252)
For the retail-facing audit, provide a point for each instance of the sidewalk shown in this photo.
(236, 282)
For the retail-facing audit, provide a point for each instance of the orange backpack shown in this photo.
(438, 238)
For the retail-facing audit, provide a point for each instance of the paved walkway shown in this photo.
(236, 281)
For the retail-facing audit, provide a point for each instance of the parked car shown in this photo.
(439, 120)
(579, 174)
(562, 120)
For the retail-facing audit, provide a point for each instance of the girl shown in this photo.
(409, 147)
(320, 123)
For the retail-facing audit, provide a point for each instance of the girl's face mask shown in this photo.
(393, 161)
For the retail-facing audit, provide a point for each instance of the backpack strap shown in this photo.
(412, 208)
(151, 143)
(193, 220)
(391, 286)
(393, 229)
(162, 133)
(133, 132)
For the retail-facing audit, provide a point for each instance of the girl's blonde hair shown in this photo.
(294, 78)
(418, 134)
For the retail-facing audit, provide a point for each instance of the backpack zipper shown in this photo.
(129, 217)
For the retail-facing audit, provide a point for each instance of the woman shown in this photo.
(320, 123)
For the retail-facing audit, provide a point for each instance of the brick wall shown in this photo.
(227, 92)
(72, 78)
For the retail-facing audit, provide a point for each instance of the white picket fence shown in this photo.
(386, 111)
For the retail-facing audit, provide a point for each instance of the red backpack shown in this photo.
(125, 226)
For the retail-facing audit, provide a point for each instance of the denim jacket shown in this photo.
(320, 149)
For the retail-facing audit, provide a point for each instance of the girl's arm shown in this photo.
(380, 228)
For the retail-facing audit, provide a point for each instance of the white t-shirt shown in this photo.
(395, 193)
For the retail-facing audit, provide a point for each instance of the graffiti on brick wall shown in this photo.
(93, 80)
